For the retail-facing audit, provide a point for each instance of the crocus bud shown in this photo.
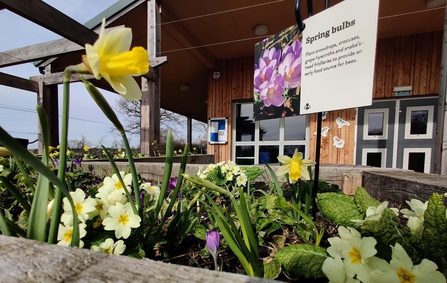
(212, 242)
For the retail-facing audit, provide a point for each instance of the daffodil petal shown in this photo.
(284, 159)
(118, 40)
(93, 60)
(125, 86)
(305, 172)
(283, 169)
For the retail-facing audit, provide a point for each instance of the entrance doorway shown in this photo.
(397, 134)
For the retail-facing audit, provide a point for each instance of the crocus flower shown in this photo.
(272, 94)
(290, 70)
(111, 58)
(295, 166)
(212, 243)
(78, 161)
(173, 183)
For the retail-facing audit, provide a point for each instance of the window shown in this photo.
(376, 124)
(418, 122)
(417, 159)
(375, 157)
(258, 142)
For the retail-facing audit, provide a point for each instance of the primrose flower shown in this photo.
(417, 209)
(83, 206)
(152, 190)
(111, 58)
(373, 213)
(241, 180)
(110, 247)
(113, 189)
(355, 251)
(335, 272)
(65, 234)
(121, 220)
(295, 166)
(401, 269)
(212, 243)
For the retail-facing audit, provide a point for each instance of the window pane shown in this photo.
(245, 155)
(416, 161)
(375, 124)
(290, 149)
(268, 154)
(245, 126)
(374, 159)
(269, 130)
(419, 122)
(295, 128)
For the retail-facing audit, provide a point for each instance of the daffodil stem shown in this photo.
(56, 215)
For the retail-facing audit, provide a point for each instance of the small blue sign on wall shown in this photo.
(218, 131)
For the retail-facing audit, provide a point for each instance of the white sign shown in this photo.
(339, 47)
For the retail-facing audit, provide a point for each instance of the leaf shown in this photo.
(339, 208)
(363, 200)
(272, 269)
(434, 235)
(200, 232)
(302, 260)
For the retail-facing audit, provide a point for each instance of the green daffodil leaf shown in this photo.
(364, 200)
(340, 208)
(302, 260)
(434, 234)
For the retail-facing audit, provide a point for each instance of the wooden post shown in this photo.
(48, 100)
(440, 151)
(150, 101)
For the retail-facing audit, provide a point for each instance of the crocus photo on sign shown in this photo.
(277, 75)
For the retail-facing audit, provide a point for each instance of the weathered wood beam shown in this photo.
(57, 78)
(17, 82)
(182, 35)
(37, 52)
(52, 19)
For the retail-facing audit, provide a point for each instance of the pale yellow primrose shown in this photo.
(111, 58)
(296, 166)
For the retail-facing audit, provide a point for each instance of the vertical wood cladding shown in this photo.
(412, 60)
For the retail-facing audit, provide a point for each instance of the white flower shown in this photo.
(355, 250)
(1, 168)
(110, 247)
(401, 269)
(416, 225)
(121, 220)
(153, 191)
(335, 272)
(65, 234)
(417, 208)
(82, 206)
(373, 213)
(241, 180)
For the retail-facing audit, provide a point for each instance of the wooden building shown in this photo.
(403, 128)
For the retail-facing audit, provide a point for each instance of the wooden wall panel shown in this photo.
(410, 60)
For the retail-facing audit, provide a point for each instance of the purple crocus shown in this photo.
(78, 161)
(212, 243)
(173, 183)
(273, 93)
(290, 70)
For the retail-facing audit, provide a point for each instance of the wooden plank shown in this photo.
(57, 78)
(37, 52)
(17, 82)
(52, 19)
(388, 86)
(417, 64)
(423, 77)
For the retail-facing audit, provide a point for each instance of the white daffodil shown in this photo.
(122, 219)
(296, 166)
(373, 213)
(65, 234)
(417, 208)
(402, 270)
(355, 251)
(83, 206)
(110, 247)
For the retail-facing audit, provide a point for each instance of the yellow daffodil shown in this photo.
(295, 166)
(111, 58)
(86, 147)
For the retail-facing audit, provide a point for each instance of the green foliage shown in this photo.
(339, 208)
(434, 235)
(302, 260)
(363, 200)
(272, 269)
